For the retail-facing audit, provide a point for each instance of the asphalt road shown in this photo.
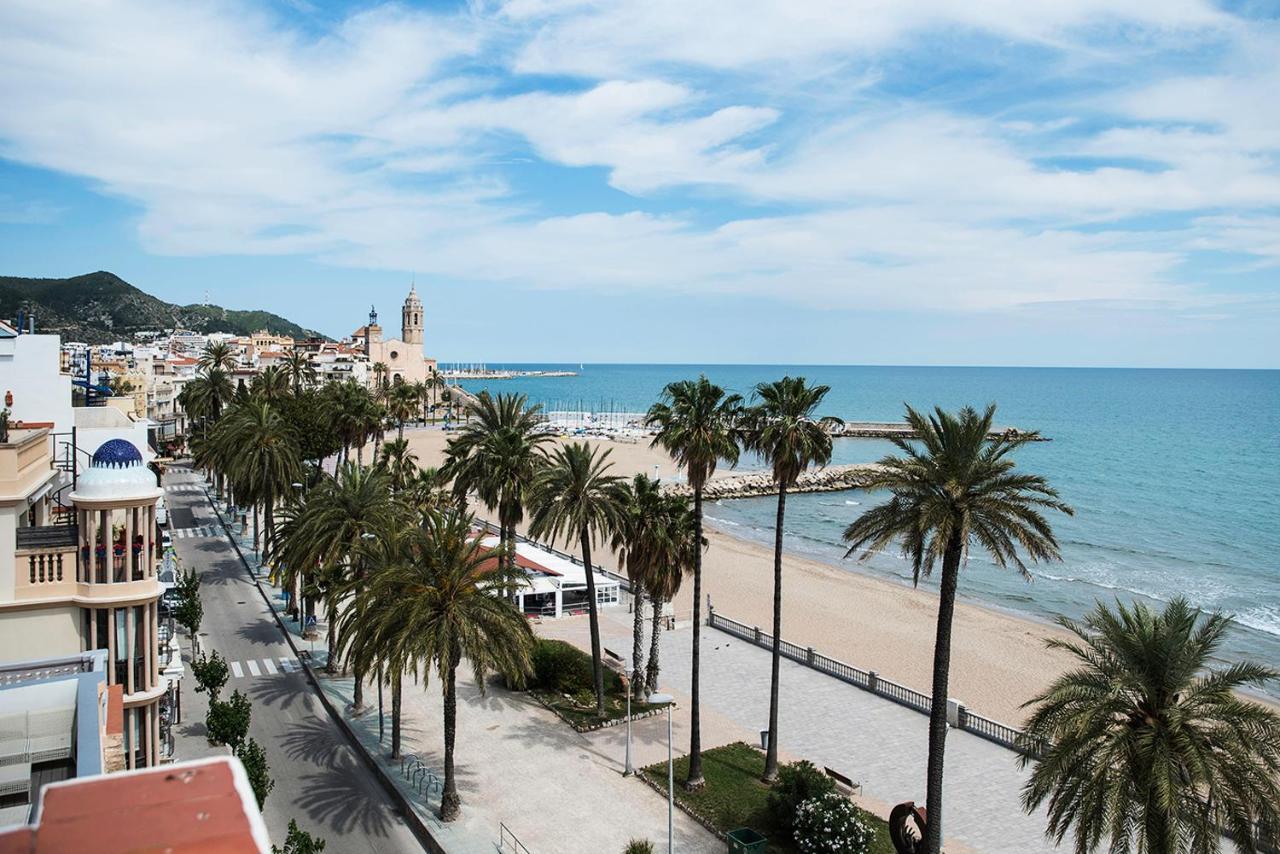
(319, 779)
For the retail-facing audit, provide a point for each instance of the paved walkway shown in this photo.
(875, 742)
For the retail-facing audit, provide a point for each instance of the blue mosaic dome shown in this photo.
(116, 453)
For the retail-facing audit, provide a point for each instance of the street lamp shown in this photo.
(667, 700)
(627, 770)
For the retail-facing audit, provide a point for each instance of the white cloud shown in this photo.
(396, 141)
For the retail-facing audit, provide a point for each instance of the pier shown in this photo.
(902, 430)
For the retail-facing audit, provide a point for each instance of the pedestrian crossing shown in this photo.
(199, 531)
(263, 667)
(184, 487)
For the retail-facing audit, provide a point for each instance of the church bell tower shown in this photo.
(411, 319)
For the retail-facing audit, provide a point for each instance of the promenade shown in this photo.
(873, 741)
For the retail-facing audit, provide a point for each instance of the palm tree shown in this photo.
(678, 550)
(782, 429)
(402, 403)
(336, 515)
(697, 424)
(298, 368)
(638, 542)
(217, 355)
(958, 489)
(350, 402)
(272, 384)
(574, 497)
(449, 602)
(263, 457)
(400, 463)
(497, 455)
(1145, 741)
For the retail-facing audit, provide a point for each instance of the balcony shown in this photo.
(45, 561)
(26, 463)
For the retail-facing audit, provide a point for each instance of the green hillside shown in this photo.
(101, 307)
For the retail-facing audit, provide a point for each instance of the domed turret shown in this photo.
(116, 471)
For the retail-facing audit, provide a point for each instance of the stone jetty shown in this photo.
(751, 484)
(901, 430)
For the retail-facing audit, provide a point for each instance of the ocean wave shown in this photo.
(720, 521)
(853, 503)
(1263, 618)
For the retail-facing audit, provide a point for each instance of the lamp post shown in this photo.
(302, 617)
(667, 700)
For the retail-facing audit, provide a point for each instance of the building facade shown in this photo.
(403, 357)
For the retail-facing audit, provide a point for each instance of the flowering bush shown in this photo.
(831, 824)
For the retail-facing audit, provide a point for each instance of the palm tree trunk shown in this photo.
(695, 780)
(450, 803)
(395, 716)
(651, 674)
(331, 617)
(269, 523)
(400, 429)
(597, 671)
(771, 754)
(637, 639)
(938, 711)
(255, 526)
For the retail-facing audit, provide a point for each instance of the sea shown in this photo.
(1174, 476)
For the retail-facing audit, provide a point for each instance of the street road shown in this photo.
(319, 779)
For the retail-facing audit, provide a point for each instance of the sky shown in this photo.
(1075, 182)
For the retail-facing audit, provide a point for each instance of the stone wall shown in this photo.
(749, 485)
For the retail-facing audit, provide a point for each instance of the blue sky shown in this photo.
(1083, 182)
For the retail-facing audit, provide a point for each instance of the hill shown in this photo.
(100, 307)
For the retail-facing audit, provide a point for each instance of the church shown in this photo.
(403, 356)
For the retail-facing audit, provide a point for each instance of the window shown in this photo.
(607, 595)
(395, 354)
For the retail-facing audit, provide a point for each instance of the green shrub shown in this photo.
(211, 674)
(831, 824)
(254, 760)
(561, 667)
(797, 783)
(639, 846)
(299, 841)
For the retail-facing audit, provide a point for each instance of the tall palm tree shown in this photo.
(697, 423)
(497, 455)
(448, 603)
(263, 457)
(1146, 742)
(678, 549)
(217, 355)
(638, 541)
(400, 463)
(574, 497)
(272, 384)
(298, 368)
(350, 402)
(402, 403)
(959, 488)
(782, 429)
(329, 534)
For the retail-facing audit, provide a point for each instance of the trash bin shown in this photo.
(744, 840)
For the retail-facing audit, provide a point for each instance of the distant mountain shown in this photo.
(100, 307)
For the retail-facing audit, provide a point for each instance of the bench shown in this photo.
(842, 780)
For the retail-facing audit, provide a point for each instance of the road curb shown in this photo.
(407, 810)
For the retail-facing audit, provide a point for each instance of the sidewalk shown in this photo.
(517, 764)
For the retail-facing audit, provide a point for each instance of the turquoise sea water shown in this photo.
(1174, 475)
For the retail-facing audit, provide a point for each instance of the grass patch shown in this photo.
(580, 711)
(562, 679)
(734, 796)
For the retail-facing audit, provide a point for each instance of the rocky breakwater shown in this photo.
(752, 484)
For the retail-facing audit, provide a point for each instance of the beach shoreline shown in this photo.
(999, 660)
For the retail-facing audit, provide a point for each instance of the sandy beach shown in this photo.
(998, 660)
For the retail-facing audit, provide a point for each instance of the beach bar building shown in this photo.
(556, 583)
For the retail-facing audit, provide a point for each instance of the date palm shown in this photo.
(298, 368)
(783, 430)
(638, 541)
(959, 488)
(574, 497)
(402, 404)
(400, 463)
(1146, 746)
(217, 355)
(496, 455)
(271, 385)
(678, 548)
(697, 423)
(263, 457)
(448, 603)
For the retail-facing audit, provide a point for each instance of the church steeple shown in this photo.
(411, 319)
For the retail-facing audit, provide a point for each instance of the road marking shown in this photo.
(269, 665)
(288, 665)
(235, 669)
(263, 667)
(253, 668)
(201, 531)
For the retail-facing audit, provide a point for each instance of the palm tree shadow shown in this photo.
(313, 741)
(332, 800)
(260, 632)
(280, 690)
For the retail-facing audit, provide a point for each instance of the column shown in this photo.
(148, 540)
(155, 733)
(131, 641)
(88, 536)
(108, 553)
(93, 628)
(130, 737)
(146, 648)
(130, 513)
(111, 646)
